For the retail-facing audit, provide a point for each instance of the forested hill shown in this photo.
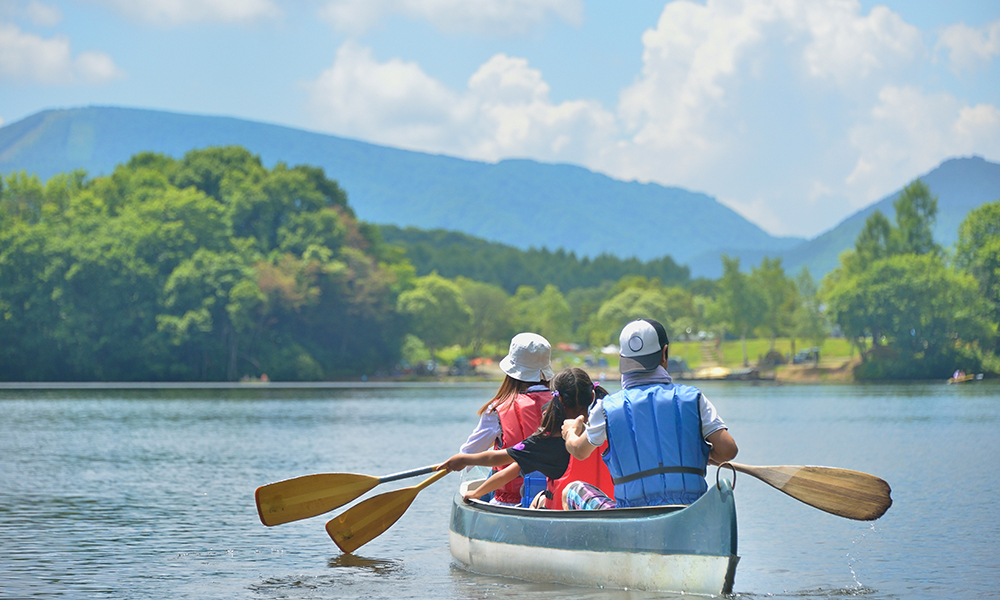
(208, 268)
(521, 203)
(453, 254)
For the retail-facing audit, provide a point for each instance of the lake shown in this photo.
(148, 493)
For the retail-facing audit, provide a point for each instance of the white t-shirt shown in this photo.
(597, 431)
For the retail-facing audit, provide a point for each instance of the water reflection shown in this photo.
(376, 566)
(148, 494)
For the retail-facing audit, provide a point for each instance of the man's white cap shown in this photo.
(642, 345)
(529, 358)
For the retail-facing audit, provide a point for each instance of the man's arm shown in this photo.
(723, 447)
(577, 442)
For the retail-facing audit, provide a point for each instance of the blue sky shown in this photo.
(796, 113)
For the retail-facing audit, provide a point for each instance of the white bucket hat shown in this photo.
(529, 358)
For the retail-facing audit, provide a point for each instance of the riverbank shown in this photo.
(708, 360)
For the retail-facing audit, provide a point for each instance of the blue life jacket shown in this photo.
(656, 454)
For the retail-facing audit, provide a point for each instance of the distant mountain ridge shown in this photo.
(521, 203)
(960, 184)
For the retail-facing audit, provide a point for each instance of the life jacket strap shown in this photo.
(658, 471)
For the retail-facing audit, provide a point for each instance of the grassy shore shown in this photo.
(835, 366)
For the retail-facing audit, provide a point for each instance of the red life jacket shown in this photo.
(592, 471)
(519, 418)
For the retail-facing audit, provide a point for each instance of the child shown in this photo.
(515, 412)
(545, 450)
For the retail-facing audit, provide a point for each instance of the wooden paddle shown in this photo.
(841, 492)
(369, 519)
(313, 495)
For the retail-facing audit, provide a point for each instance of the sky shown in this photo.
(795, 113)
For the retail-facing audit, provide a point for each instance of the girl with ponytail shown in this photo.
(545, 450)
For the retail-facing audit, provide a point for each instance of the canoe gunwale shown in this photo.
(632, 512)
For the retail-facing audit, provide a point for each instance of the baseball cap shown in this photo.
(641, 344)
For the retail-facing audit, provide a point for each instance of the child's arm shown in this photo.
(489, 458)
(497, 481)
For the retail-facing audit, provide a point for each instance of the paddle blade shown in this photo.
(309, 496)
(842, 492)
(369, 519)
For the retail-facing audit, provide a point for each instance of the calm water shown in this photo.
(149, 493)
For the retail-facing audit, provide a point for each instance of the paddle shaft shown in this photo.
(407, 474)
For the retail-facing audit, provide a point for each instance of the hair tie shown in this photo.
(597, 384)
(555, 393)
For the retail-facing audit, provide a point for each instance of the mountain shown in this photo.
(960, 184)
(521, 203)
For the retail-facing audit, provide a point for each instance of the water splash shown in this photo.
(853, 558)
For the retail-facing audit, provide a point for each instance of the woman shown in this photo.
(543, 451)
(515, 412)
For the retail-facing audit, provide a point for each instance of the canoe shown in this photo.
(663, 548)
(964, 378)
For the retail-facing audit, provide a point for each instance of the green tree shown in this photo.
(490, 313)
(916, 210)
(858, 302)
(978, 252)
(780, 297)
(923, 319)
(546, 313)
(875, 242)
(437, 310)
(210, 267)
(810, 321)
(740, 304)
(642, 298)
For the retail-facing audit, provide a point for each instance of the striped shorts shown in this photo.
(584, 496)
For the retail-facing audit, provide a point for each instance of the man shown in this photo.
(660, 435)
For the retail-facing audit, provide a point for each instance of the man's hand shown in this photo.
(575, 434)
(573, 426)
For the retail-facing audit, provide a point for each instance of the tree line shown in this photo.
(214, 267)
(210, 267)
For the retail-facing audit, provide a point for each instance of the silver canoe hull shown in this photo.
(690, 550)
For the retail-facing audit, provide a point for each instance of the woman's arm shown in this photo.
(487, 431)
(489, 458)
(495, 482)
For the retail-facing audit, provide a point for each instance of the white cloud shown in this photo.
(505, 111)
(847, 46)
(699, 55)
(392, 102)
(34, 11)
(175, 12)
(793, 112)
(43, 14)
(968, 47)
(491, 17)
(96, 67)
(909, 132)
(28, 57)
